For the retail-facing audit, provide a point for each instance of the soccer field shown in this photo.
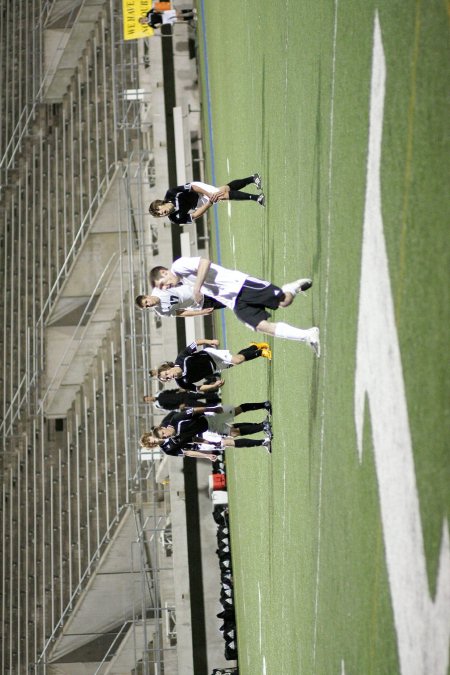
(339, 538)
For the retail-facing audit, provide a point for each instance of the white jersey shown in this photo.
(174, 300)
(169, 16)
(202, 198)
(221, 283)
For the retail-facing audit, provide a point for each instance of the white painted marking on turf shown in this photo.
(264, 666)
(342, 667)
(422, 625)
(259, 616)
(228, 166)
(324, 330)
(229, 208)
(233, 248)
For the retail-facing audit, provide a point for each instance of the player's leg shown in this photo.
(251, 352)
(246, 428)
(311, 336)
(253, 301)
(240, 183)
(231, 442)
(292, 289)
(237, 185)
(251, 442)
(246, 407)
(187, 14)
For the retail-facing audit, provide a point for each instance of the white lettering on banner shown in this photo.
(422, 624)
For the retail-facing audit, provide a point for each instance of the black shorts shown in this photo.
(253, 299)
(211, 302)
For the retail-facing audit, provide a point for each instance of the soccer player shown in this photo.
(186, 203)
(179, 301)
(192, 366)
(177, 399)
(175, 438)
(156, 18)
(247, 296)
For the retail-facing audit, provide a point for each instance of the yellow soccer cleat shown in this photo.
(267, 353)
(261, 345)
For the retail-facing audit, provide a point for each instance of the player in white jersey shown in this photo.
(178, 301)
(247, 296)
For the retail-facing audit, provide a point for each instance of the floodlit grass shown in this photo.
(289, 92)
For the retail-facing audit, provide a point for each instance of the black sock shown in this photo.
(236, 195)
(240, 183)
(247, 442)
(248, 428)
(245, 407)
(250, 353)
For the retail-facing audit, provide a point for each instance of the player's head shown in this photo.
(163, 432)
(167, 371)
(160, 208)
(143, 20)
(146, 301)
(149, 440)
(162, 278)
(149, 399)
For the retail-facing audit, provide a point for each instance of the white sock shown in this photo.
(284, 330)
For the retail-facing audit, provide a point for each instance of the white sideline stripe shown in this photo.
(422, 624)
(323, 333)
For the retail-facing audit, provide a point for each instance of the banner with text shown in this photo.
(133, 10)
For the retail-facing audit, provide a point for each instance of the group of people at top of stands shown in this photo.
(196, 286)
(162, 14)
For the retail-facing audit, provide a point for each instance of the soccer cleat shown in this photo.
(267, 443)
(267, 428)
(260, 345)
(314, 340)
(261, 199)
(295, 287)
(266, 353)
(268, 406)
(257, 180)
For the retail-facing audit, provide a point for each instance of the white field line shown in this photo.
(323, 331)
(421, 616)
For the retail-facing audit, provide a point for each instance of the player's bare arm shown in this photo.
(202, 271)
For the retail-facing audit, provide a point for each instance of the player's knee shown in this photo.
(288, 298)
(266, 327)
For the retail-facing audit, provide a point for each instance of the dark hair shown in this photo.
(140, 301)
(155, 274)
(156, 432)
(154, 206)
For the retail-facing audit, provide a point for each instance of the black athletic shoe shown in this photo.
(267, 427)
(267, 443)
(268, 406)
(257, 180)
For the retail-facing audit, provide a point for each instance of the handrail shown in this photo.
(36, 102)
(80, 323)
(104, 659)
(78, 589)
(64, 270)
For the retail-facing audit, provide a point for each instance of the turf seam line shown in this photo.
(212, 156)
(324, 333)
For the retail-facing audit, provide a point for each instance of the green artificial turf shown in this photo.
(287, 86)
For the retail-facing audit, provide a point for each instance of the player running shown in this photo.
(247, 296)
